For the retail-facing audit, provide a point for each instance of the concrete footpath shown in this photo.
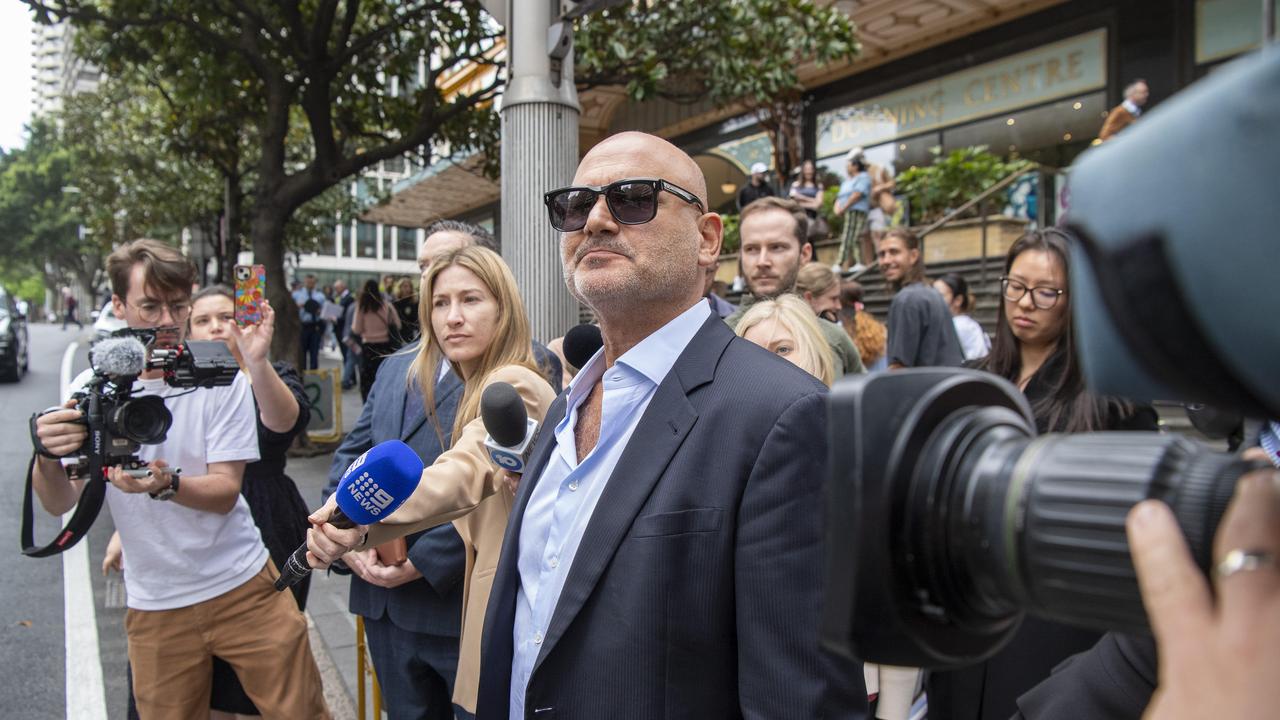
(333, 628)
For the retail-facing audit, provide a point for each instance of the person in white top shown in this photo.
(198, 579)
(974, 341)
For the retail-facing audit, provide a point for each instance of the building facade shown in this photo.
(56, 71)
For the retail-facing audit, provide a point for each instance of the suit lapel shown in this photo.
(657, 437)
(445, 389)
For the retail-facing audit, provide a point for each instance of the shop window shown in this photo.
(1052, 134)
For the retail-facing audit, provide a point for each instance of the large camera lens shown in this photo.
(143, 420)
(949, 520)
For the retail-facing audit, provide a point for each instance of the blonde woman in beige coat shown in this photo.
(473, 318)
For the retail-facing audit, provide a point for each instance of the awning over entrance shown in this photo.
(447, 189)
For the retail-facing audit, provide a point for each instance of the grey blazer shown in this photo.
(696, 590)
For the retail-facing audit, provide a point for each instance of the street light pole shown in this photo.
(539, 152)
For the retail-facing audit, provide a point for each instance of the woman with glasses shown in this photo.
(1034, 348)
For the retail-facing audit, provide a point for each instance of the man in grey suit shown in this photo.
(664, 553)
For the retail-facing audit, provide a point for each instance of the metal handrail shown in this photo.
(981, 198)
(1006, 182)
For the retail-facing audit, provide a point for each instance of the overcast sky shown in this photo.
(15, 72)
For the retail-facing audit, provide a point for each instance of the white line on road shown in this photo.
(86, 695)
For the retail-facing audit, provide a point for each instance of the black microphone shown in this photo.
(580, 343)
(373, 486)
(511, 430)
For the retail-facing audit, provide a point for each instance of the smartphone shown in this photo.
(251, 286)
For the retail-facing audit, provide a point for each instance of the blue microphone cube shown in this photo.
(379, 481)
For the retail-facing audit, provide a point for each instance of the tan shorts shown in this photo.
(258, 631)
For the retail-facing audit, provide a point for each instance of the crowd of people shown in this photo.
(662, 553)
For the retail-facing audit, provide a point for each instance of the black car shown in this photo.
(13, 339)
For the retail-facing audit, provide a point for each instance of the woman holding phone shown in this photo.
(474, 321)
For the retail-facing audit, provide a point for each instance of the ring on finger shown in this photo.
(1242, 560)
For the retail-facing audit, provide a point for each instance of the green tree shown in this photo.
(39, 210)
(733, 52)
(365, 80)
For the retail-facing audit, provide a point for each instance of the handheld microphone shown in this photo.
(373, 486)
(581, 343)
(119, 356)
(511, 430)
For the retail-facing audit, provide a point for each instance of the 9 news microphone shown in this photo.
(373, 486)
(511, 430)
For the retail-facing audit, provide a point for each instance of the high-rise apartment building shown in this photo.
(56, 71)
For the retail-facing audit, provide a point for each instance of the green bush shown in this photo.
(835, 223)
(952, 180)
(732, 240)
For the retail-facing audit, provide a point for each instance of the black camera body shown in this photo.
(119, 423)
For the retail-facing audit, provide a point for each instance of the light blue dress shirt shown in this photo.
(566, 495)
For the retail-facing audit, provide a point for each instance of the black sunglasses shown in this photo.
(633, 201)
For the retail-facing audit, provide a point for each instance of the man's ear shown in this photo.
(117, 306)
(711, 236)
(806, 252)
(914, 254)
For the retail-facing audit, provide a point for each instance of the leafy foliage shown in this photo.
(302, 95)
(745, 51)
(952, 180)
(40, 214)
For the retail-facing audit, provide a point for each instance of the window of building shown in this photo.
(406, 243)
(1226, 28)
(366, 240)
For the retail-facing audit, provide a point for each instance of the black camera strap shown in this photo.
(82, 518)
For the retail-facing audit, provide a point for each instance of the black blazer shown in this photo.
(432, 604)
(696, 589)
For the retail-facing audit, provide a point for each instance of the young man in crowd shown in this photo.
(342, 295)
(775, 245)
(921, 331)
(199, 579)
(757, 187)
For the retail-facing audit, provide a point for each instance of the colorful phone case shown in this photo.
(251, 285)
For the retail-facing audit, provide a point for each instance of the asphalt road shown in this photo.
(32, 604)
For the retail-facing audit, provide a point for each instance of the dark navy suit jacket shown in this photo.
(696, 590)
(433, 604)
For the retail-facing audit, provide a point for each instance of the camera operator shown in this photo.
(199, 581)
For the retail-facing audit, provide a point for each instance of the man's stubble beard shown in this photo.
(786, 284)
(643, 287)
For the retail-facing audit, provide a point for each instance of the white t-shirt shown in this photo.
(175, 556)
(973, 340)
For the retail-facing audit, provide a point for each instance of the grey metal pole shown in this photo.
(1268, 21)
(539, 153)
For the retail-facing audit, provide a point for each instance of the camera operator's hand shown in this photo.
(62, 432)
(1217, 659)
(159, 478)
(326, 543)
